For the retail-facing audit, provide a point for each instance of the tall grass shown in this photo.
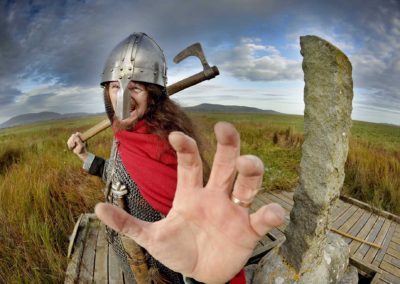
(43, 188)
(372, 168)
(42, 191)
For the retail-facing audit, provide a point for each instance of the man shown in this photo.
(198, 230)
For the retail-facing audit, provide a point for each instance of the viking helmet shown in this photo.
(137, 58)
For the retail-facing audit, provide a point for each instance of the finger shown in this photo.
(190, 167)
(266, 218)
(228, 148)
(249, 179)
(71, 143)
(78, 149)
(79, 136)
(122, 222)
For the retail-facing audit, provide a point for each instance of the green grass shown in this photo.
(43, 188)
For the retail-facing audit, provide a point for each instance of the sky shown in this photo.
(52, 53)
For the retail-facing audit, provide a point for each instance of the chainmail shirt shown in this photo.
(137, 206)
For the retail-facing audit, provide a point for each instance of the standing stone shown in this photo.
(310, 254)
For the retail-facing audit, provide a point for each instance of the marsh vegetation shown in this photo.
(43, 189)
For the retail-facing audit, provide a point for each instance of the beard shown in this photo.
(125, 124)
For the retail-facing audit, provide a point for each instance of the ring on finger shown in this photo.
(244, 204)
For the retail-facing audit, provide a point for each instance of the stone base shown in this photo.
(330, 267)
(350, 276)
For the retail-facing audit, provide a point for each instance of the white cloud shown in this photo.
(251, 60)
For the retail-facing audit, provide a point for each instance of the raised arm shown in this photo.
(208, 234)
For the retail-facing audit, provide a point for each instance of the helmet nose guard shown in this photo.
(137, 58)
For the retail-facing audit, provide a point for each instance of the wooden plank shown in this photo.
(356, 238)
(375, 210)
(390, 268)
(377, 279)
(270, 199)
(101, 262)
(363, 233)
(265, 240)
(372, 252)
(363, 249)
(390, 278)
(89, 252)
(394, 246)
(275, 234)
(351, 221)
(72, 273)
(114, 269)
(73, 236)
(282, 196)
(359, 225)
(392, 260)
(257, 203)
(365, 267)
(394, 250)
(338, 210)
(278, 199)
(288, 194)
(385, 245)
(344, 217)
(396, 240)
(261, 251)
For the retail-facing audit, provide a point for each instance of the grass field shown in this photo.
(43, 188)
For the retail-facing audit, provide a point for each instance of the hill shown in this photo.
(40, 116)
(225, 108)
(47, 115)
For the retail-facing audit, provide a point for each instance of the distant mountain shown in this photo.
(47, 115)
(224, 108)
(40, 116)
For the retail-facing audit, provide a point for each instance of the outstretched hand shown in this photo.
(208, 234)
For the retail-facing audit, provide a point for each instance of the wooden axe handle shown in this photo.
(102, 125)
(172, 89)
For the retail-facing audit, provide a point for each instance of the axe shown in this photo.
(207, 74)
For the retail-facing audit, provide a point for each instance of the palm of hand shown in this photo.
(216, 231)
(205, 235)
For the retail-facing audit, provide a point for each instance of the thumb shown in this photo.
(120, 221)
(266, 218)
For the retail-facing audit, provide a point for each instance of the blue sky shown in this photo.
(52, 52)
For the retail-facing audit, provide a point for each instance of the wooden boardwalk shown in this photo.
(377, 227)
(91, 257)
(93, 260)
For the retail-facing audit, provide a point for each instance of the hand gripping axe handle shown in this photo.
(207, 74)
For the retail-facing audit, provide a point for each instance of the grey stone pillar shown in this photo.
(310, 254)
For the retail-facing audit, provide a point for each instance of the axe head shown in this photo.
(193, 50)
